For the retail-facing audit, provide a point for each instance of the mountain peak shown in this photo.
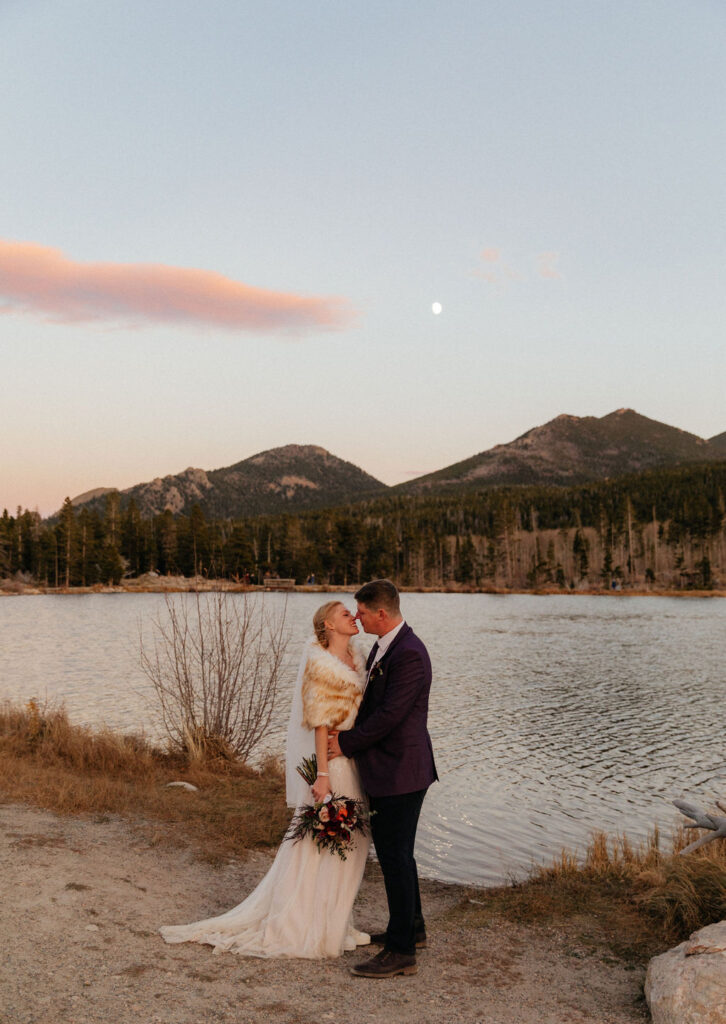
(575, 449)
(291, 451)
(291, 477)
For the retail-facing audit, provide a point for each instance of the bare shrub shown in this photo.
(214, 662)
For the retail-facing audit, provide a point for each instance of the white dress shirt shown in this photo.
(384, 642)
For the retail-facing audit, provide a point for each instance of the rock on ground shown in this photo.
(687, 985)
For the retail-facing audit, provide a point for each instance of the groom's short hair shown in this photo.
(379, 594)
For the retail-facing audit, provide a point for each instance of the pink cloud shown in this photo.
(499, 274)
(546, 265)
(488, 276)
(37, 279)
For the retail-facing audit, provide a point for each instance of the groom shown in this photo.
(392, 748)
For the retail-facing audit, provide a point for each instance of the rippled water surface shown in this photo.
(550, 716)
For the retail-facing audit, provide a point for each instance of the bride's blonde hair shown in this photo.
(319, 621)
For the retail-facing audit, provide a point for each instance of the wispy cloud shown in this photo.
(546, 265)
(490, 271)
(494, 271)
(43, 281)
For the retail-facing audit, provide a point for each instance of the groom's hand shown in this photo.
(333, 746)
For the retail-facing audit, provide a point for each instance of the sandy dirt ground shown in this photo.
(82, 900)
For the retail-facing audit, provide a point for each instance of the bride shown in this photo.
(303, 905)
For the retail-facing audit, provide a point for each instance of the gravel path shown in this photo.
(82, 900)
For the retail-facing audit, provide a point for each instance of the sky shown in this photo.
(223, 227)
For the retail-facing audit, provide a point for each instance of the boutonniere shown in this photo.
(376, 671)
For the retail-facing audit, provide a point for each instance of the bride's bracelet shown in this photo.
(325, 775)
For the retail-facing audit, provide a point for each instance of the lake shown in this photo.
(551, 716)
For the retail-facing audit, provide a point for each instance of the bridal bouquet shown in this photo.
(331, 823)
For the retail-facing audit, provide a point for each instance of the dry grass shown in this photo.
(49, 762)
(634, 900)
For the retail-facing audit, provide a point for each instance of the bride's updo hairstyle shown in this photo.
(319, 621)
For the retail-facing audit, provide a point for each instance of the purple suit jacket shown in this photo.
(390, 741)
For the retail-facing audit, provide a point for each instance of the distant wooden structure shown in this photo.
(270, 583)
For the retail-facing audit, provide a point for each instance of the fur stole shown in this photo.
(331, 692)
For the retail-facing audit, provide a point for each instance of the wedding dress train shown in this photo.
(303, 905)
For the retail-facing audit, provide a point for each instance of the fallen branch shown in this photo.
(714, 823)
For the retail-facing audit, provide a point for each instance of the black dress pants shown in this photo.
(393, 829)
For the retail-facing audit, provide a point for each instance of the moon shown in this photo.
(436, 308)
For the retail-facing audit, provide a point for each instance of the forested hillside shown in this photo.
(663, 527)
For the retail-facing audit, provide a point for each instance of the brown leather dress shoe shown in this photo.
(379, 939)
(385, 964)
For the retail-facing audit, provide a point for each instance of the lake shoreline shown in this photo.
(529, 697)
(191, 585)
(97, 851)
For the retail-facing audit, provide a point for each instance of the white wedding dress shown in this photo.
(303, 905)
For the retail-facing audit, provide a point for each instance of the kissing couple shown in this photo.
(366, 722)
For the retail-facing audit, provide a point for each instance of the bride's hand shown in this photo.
(321, 787)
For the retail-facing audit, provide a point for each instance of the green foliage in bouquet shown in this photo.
(308, 769)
